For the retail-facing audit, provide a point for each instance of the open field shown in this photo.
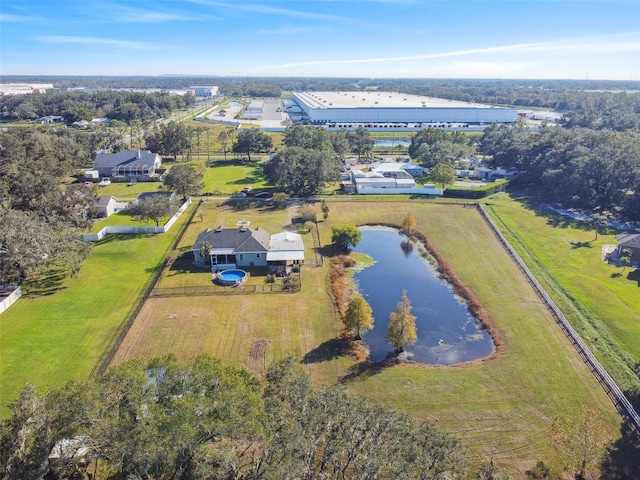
(501, 407)
(602, 301)
(62, 327)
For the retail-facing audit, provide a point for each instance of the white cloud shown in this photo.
(284, 12)
(128, 44)
(285, 31)
(580, 46)
(126, 14)
(11, 17)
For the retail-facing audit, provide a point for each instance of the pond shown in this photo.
(448, 333)
(391, 142)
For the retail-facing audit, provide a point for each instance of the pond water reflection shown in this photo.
(447, 333)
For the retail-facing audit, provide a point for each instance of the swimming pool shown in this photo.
(232, 277)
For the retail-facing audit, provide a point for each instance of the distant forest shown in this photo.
(562, 95)
(590, 161)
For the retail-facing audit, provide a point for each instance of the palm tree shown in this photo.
(598, 221)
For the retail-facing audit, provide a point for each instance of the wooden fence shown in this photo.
(608, 384)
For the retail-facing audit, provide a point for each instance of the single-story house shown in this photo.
(105, 206)
(50, 119)
(491, 174)
(245, 247)
(632, 242)
(127, 164)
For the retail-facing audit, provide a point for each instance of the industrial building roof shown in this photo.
(379, 100)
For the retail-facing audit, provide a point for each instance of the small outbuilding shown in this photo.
(629, 241)
(105, 206)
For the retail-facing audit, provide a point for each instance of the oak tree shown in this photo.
(402, 325)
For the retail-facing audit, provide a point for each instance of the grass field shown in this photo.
(602, 301)
(501, 408)
(222, 178)
(124, 218)
(60, 330)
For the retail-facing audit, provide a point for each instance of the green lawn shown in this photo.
(60, 330)
(227, 178)
(602, 301)
(123, 218)
(123, 192)
(502, 407)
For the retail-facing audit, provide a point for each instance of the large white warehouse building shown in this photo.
(321, 108)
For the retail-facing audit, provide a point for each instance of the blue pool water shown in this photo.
(230, 277)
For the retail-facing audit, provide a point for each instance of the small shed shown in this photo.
(105, 206)
(630, 241)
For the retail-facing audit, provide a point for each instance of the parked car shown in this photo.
(263, 195)
(104, 182)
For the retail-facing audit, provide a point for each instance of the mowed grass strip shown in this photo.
(50, 338)
(602, 301)
(501, 407)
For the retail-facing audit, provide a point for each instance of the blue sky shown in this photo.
(567, 39)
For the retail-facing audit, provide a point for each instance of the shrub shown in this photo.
(291, 284)
(308, 213)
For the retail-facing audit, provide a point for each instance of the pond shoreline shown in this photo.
(461, 289)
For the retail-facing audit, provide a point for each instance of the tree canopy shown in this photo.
(443, 173)
(201, 419)
(185, 180)
(302, 171)
(252, 140)
(345, 237)
(402, 325)
(153, 208)
(41, 218)
(359, 316)
(593, 170)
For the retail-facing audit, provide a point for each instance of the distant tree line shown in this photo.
(591, 97)
(75, 106)
(592, 170)
(202, 419)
